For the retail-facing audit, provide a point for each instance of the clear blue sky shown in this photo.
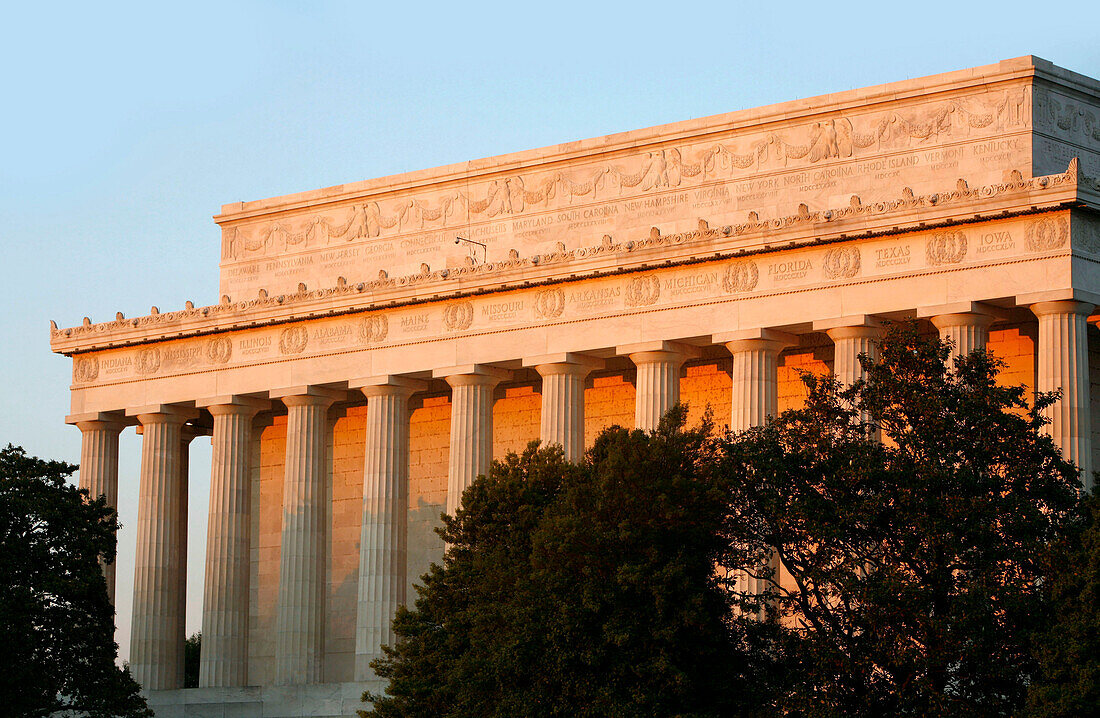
(125, 126)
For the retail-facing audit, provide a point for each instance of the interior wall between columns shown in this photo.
(517, 415)
(429, 446)
(707, 384)
(267, 525)
(608, 401)
(814, 354)
(348, 441)
(1094, 392)
(1016, 345)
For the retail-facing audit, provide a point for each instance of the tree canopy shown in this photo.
(1068, 648)
(576, 590)
(911, 569)
(56, 622)
(914, 544)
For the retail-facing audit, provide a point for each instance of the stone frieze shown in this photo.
(561, 260)
(710, 282)
(655, 169)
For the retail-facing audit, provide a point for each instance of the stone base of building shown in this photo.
(322, 700)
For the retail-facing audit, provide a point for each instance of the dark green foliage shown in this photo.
(192, 650)
(946, 570)
(912, 568)
(56, 622)
(1069, 649)
(577, 590)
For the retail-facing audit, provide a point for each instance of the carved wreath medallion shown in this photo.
(86, 369)
(1046, 234)
(741, 277)
(148, 361)
(293, 340)
(1088, 238)
(550, 303)
(841, 262)
(373, 328)
(946, 248)
(458, 316)
(219, 349)
(643, 291)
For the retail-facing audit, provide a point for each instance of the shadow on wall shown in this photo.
(425, 546)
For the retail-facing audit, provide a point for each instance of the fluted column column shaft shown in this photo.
(224, 657)
(755, 398)
(471, 450)
(848, 344)
(156, 644)
(99, 473)
(562, 420)
(299, 627)
(657, 387)
(1064, 365)
(755, 382)
(966, 331)
(383, 543)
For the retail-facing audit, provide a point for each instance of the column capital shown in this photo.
(307, 395)
(1058, 295)
(164, 413)
(471, 374)
(103, 420)
(963, 309)
(1066, 306)
(755, 339)
(231, 404)
(388, 385)
(945, 321)
(564, 363)
(851, 321)
(659, 351)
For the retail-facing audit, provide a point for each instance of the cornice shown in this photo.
(962, 204)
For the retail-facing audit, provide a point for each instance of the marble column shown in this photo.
(755, 398)
(966, 332)
(99, 468)
(657, 387)
(383, 542)
(755, 382)
(852, 336)
(300, 620)
(964, 324)
(156, 639)
(471, 450)
(562, 420)
(224, 658)
(1064, 365)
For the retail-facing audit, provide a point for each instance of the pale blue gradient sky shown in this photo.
(125, 126)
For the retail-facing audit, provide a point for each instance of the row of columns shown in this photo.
(159, 586)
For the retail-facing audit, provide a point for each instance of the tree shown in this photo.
(577, 590)
(192, 651)
(1068, 649)
(910, 570)
(56, 621)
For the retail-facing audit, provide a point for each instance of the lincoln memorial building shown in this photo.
(376, 345)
